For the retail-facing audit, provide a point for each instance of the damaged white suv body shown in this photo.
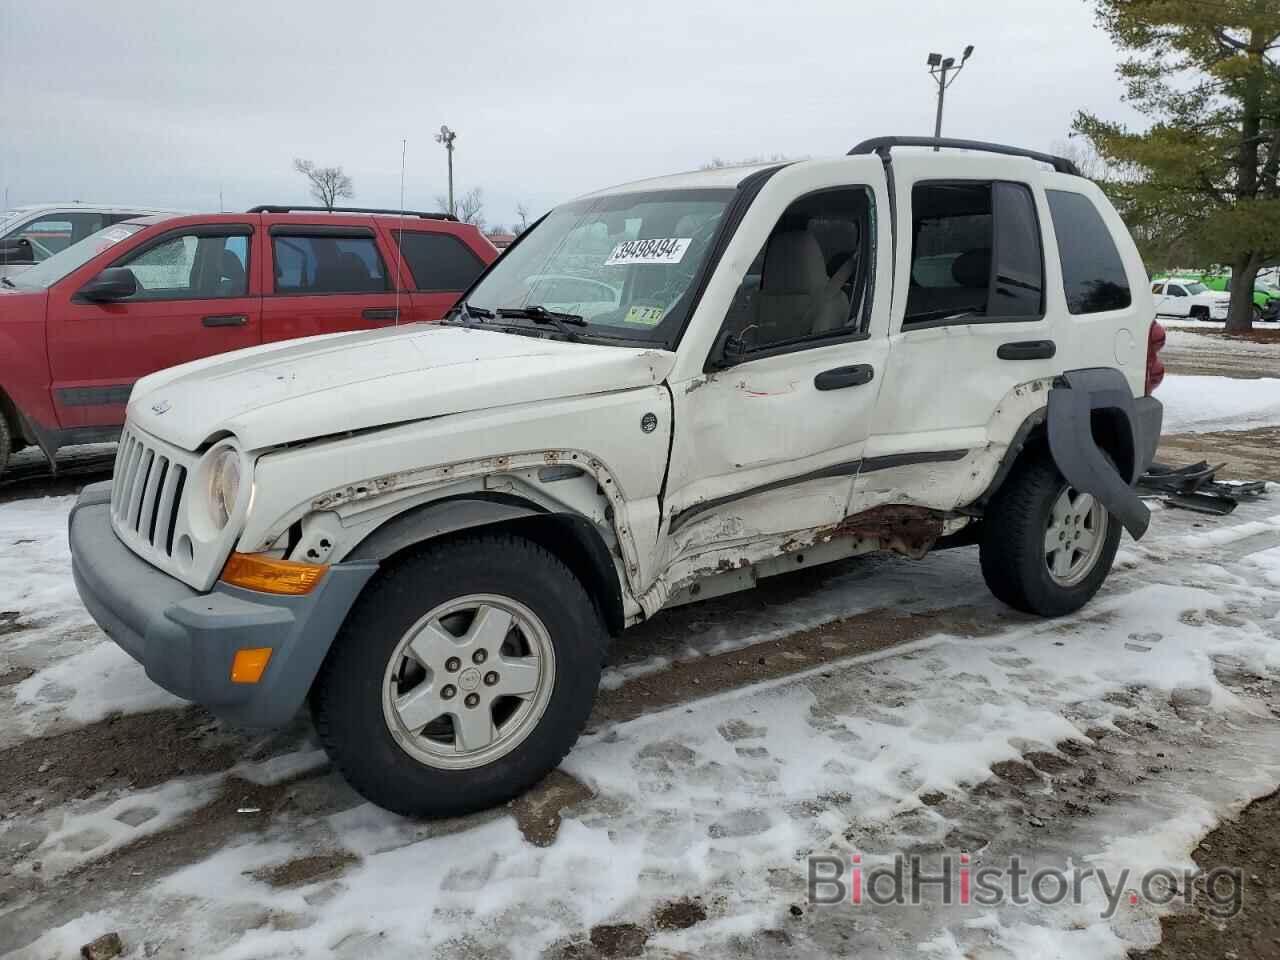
(662, 392)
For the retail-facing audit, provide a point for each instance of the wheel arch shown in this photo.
(1100, 437)
(19, 435)
(569, 536)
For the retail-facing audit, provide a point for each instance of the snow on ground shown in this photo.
(80, 677)
(1194, 404)
(723, 798)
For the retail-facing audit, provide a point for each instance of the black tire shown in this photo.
(1012, 550)
(1257, 313)
(1199, 313)
(6, 444)
(346, 698)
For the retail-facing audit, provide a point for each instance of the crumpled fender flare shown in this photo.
(434, 519)
(1072, 401)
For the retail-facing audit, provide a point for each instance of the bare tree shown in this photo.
(328, 184)
(522, 212)
(470, 206)
(1082, 153)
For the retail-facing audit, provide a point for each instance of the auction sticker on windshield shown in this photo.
(654, 250)
(645, 315)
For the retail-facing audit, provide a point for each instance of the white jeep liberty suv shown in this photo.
(661, 392)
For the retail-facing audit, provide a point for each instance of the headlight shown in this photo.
(224, 485)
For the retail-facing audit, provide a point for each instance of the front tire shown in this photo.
(461, 677)
(1046, 549)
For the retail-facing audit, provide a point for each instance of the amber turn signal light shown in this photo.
(249, 664)
(255, 572)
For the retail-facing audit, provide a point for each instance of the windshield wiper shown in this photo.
(8, 283)
(466, 313)
(540, 314)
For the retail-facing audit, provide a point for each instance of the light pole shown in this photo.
(939, 69)
(447, 136)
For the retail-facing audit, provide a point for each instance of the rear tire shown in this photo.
(1033, 511)
(6, 444)
(461, 677)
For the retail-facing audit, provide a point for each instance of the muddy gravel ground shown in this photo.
(856, 640)
(1204, 349)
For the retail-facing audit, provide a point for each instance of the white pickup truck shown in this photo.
(662, 392)
(1189, 298)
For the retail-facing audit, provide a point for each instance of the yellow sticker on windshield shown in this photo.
(644, 316)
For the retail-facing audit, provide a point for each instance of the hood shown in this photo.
(301, 389)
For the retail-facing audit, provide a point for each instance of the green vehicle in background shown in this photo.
(1266, 299)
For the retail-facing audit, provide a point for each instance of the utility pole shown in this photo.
(447, 136)
(940, 69)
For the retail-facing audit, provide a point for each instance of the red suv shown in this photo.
(79, 328)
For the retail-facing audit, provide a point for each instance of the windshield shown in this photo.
(1195, 288)
(624, 263)
(48, 272)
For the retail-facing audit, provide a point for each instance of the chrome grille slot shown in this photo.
(146, 493)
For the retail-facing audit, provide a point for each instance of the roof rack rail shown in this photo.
(290, 208)
(882, 146)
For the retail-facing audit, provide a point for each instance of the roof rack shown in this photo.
(289, 208)
(882, 146)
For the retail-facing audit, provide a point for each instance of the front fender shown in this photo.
(1072, 403)
(434, 519)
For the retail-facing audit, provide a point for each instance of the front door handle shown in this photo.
(226, 320)
(842, 377)
(1027, 350)
(381, 313)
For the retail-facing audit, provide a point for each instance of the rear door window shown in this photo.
(323, 264)
(438, 261)
(1093, 274)
(976, 256)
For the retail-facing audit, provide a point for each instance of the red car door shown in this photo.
(328, 274)
(196, 296)
(440, 260)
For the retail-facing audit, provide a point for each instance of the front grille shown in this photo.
(146, 492)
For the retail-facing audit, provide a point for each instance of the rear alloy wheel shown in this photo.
(1076, 537)
(1046, 548)
(461, 677)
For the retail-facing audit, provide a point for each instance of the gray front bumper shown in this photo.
(187, 640)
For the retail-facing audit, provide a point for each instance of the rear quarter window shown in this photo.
(1093, 274)
(438, 261)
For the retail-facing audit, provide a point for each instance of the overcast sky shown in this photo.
(152, 101)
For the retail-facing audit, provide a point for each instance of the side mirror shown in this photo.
(730, 349)
(17, 251)
(114, 283)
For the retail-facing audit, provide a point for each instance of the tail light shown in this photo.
(1155, 369)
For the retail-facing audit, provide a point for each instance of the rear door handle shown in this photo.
(1027, 350)
(226, 320)
(381, 313)
(842, 377)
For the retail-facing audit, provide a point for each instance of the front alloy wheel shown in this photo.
(462, 676)
(468, 681)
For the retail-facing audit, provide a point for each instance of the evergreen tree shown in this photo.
(1202, 183)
